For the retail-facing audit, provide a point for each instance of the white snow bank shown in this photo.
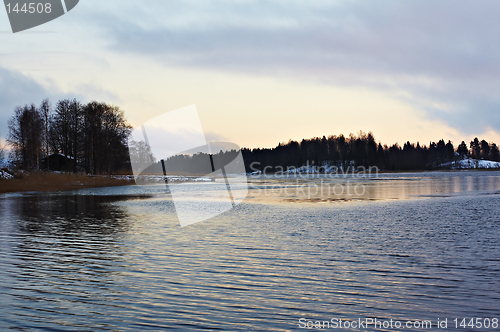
(5, 175)
(161, 179)
(472, 164)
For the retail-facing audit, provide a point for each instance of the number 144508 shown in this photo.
(30, 8)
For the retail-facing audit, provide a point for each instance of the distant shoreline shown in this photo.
(55, 182)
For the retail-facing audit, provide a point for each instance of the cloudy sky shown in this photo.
(262, 72)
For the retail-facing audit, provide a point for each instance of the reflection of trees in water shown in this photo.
(68, 248)
(67, 216)
(65, 232)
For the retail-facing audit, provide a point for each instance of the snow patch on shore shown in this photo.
(472, 164)
(161, 179)
(5, 175)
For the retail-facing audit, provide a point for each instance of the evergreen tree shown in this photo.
(494, 152)
(485, 149)
(462, 150)
(475, 147)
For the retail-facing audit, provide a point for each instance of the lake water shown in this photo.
(422, 246)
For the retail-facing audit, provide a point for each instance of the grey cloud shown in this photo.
(15, 90)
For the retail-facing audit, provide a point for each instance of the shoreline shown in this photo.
(54, 182)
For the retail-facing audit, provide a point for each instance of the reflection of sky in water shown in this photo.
(382, 187)
(113, 259)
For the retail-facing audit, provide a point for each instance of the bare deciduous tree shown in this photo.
(105, 137)
(45, 111)
(25, 136)
(3, 147)
(93, 135)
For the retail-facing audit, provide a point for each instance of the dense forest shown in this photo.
(363, 150)
(92, 138)
(343, 152)
(70, 136)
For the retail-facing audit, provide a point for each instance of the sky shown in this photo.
(264, 72)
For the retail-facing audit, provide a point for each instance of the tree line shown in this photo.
(363, 150)
(343, 152)
(89, 137)
(93, 138)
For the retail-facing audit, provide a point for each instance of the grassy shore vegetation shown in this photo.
(49, 182)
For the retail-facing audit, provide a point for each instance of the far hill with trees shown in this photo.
(363, 150)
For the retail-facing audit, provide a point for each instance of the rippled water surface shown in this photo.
(414, 246)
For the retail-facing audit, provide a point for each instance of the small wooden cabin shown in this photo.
(58, 162)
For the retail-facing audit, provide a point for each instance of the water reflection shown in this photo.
(321, 188)
(63, 216)
(102, 259)
(58, 252)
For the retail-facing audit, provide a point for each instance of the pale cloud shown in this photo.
(416, 70)
(437, 53)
